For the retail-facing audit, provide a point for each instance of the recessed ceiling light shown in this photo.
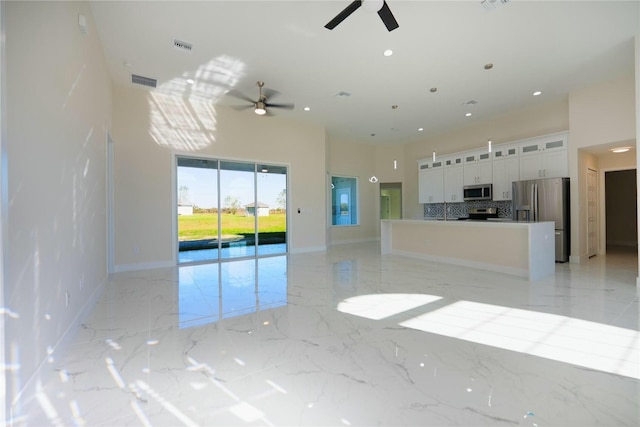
(307, 109)
(420, 129)
(467, 114)
(190, 81)
(537, 93)
(433, 90)
(620, 149)
(388, 52)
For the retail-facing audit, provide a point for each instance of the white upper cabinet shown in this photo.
(444, 179)
(505, 150)
(453, 178)
(506, 169)
(430, 182)
(544, 157)
(477, 167)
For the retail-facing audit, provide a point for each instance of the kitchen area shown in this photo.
(504, 208)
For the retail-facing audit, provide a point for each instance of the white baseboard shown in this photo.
(352, 241)
(142, 266)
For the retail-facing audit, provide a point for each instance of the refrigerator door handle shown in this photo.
(532, 203)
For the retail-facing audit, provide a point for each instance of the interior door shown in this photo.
(385, 206)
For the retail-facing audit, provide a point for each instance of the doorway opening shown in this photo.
(229, 209)
(391, 200)
(621, 228)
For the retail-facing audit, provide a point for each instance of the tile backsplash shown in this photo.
(461, 210)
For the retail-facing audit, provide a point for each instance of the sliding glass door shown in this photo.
(271, 184)
(237, 196)
(197, 185)
(229, 209)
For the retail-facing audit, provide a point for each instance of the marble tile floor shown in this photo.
(353, 338)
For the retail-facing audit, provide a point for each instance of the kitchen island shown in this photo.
(525, 249)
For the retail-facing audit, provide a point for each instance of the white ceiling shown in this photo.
(552, 46)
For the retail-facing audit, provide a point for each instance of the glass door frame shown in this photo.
(218, 160)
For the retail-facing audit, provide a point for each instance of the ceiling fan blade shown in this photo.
(240, 95)
(269, 93)
(242, 107)
(285, 106)
(387, 17)
(344, 14)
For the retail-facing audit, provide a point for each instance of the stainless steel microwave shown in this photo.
(477, 192)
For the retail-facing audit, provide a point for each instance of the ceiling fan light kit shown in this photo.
(260, 110)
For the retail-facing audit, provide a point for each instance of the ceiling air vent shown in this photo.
(144, 81)
(182, 45)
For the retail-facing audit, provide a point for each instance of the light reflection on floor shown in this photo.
(237, 251)
(209, 292)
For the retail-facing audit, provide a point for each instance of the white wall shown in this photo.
(357, 160)
(58, 108)
(144, 192)
(602, 114)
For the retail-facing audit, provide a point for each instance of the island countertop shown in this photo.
(525, 249)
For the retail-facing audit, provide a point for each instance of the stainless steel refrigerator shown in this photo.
(545, 200)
